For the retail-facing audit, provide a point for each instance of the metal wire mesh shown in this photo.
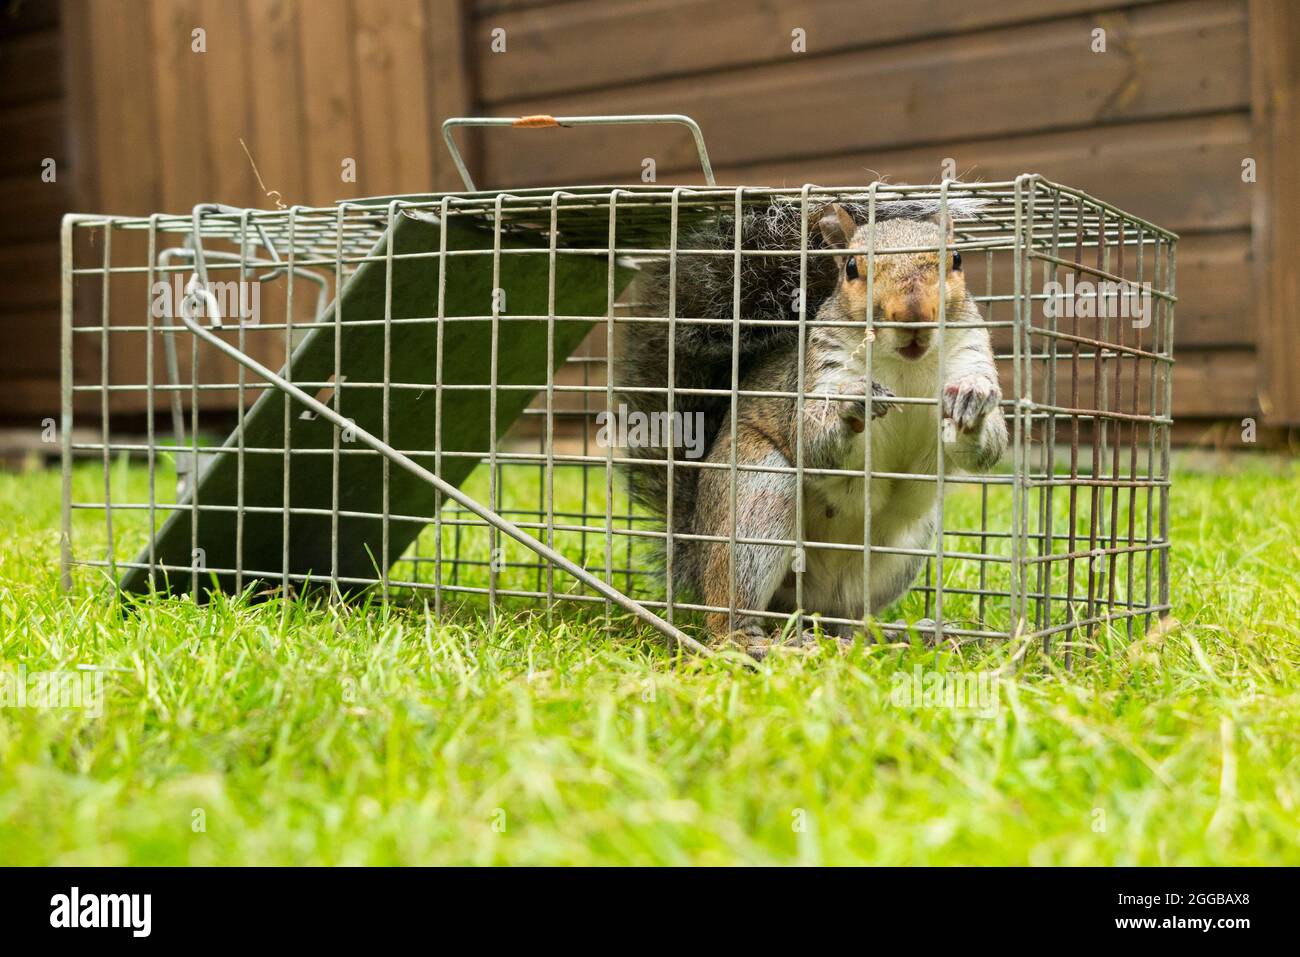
(1068, 535)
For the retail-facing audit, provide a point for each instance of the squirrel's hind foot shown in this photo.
(749, 635)
(755, 640)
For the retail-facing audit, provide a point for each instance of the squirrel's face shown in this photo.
(904, 287)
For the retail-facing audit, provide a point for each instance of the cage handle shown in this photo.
(540, 121)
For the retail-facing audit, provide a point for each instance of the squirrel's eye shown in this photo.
(851, 268)
(956, 262)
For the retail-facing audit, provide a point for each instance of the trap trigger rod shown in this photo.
(393, 455)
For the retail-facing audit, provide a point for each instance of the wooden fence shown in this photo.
(1160, 123)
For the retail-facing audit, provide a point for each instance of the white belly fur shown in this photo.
(902, 511)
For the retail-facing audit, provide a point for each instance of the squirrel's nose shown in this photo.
(912, 308)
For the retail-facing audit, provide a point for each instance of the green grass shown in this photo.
(299, 732)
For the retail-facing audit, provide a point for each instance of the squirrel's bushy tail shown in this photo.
(705, 289)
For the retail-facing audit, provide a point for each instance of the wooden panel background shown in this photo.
(138, 122)
(1275, 88)
(32, 119)
(1158, 124)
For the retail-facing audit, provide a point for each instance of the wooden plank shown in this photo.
(1221, 435)
(1216, 292)
(1180, 173)
(451, 67)
(200, 101)
(30, 67)
(32, 397)
(79, 87)
(82, 175)
(1216, 384)
(621, 43)
(1207, 385)
(19, 18)
(1214, 285)
(228, 114)
(126, 134)
(33, 208)
(1226, 435)
(1033, 78)
(278, 127)
(27, 398)
(29, 277)
(31, 132)
(134, 148)
(1275, 105)
(487, 7)
(228, 118)
(37, 332)
(393, 96)
(329, 101)
(185, 159)
(31, 72)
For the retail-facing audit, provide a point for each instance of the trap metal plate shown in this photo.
(234, 513)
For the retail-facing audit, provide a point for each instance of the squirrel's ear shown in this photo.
(837, 226)
(937, 219)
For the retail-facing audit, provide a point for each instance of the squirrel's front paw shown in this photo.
(880, 396)
(968, 400)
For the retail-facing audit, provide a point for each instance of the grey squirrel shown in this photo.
(905, 363)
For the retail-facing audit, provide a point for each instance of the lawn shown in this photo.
(300, 732)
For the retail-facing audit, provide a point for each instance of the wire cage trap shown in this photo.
(411, 396)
